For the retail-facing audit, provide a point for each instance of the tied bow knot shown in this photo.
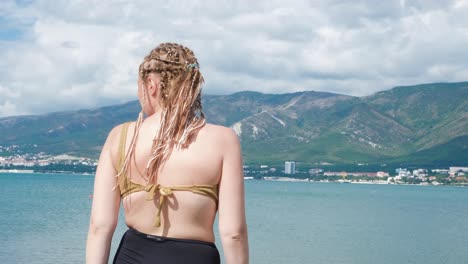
(151, 192)
(164, 191)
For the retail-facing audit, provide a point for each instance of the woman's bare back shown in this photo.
(184, 214)
(190, 185)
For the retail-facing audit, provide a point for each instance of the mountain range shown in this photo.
(421, 124)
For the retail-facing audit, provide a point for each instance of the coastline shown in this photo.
(17, 171)
(14, 171)
(289, 179)
(249, 178)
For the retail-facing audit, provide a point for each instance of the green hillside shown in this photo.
(420, 124)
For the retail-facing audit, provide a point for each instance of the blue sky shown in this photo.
(63, 55)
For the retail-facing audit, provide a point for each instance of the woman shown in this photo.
(172, 171)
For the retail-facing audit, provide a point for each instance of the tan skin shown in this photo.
(214, 157)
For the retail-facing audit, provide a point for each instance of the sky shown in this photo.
(58, 55)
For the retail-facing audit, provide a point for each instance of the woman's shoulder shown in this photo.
(115, 133)
(221, 134)
(117, 130)
(218, 131)
(111, 145)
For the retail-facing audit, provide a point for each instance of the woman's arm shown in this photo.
(231, 209)
(106, 203)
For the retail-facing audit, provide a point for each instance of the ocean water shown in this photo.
(44, 219)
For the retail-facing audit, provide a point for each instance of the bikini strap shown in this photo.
(122, 143)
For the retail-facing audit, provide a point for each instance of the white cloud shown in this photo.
(70, 56)
(7, 108)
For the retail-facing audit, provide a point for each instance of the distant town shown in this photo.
(421, 176)
(45, 163)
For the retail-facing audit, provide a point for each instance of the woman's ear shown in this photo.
(153, 85)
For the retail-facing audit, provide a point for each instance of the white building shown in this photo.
(289, 167)
(315, 171)
(456, 169)
(420, 173)
(402, 173)
(382, 174)
(440, 171)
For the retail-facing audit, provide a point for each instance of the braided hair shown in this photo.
(182, 115)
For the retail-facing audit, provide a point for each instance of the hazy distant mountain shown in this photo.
(424, 123)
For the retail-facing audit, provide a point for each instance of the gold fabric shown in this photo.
(127, 186)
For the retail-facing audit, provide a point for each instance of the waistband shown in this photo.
(164, 238)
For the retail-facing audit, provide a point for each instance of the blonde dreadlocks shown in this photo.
(182, 115)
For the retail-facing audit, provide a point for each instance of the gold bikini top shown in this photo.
(127, 186)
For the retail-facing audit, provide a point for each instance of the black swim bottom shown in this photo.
(140, 248)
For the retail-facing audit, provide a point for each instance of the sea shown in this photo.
(44, 219)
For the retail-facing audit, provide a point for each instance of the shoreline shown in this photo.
(288, 179)
(48, 172)
(249, 178)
